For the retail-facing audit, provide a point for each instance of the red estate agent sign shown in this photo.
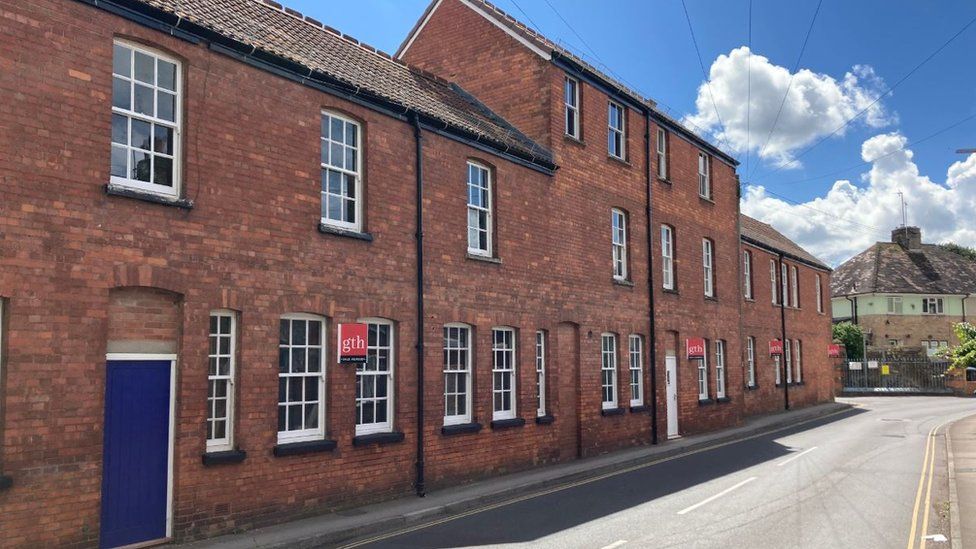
(352, 343)
(695, 347)
(833, 350)
(775, 347)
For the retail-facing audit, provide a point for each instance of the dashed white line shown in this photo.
(797, 456)
(615, 544)
(716, 496)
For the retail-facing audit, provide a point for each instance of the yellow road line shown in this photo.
(918, 492)
(928, 491)
(562, 487)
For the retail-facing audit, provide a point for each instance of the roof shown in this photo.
(542, 42)
(763, 234)
(286, 33)
(887, 267)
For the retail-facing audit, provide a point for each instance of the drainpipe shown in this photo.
(782, 320)
(418, 138)
(964, 306)
(853, 303)
(652, 339)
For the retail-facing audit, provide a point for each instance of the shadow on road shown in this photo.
(528, 520)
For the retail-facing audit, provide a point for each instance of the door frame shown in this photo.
(171, 443)
(667, 397)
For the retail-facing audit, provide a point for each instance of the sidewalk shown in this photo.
(342, 526)
(961, 445)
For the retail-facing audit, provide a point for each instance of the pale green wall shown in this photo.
(911, 304)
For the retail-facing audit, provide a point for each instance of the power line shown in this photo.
(834, 216)
(890, 89)
(796, 67)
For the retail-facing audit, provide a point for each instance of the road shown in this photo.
(870, 477)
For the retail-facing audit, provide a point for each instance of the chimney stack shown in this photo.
(909, 238)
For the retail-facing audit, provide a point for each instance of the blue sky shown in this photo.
(648, 45)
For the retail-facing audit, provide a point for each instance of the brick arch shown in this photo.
(149, 276)
(144, 319)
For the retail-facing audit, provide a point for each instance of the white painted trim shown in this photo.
(171, 443)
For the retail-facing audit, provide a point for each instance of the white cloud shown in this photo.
(817, 104)
(850, 218)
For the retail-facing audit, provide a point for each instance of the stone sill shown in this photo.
(146, 196)
(544, 420)
(377, 438)
(299, 448)
(329, 229)
(226, 456)
(460, 428)
(507, 423)
(612, 411)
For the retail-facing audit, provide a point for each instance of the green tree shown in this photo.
(852, 336)
(962, 356)
(968, 253)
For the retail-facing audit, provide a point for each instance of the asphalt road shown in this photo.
(864, 478)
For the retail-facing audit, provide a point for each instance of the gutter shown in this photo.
(652, 338)
(419, 167)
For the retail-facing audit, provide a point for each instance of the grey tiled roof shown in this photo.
(765, 234)
(886, 267)
(303, 40)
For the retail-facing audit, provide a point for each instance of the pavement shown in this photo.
(394, 517)
(962, 481)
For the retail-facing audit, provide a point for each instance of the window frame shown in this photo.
(720, 368)
(669, 280)
(489, 210)
(797, 361)
(227, 441)
(512, 370)
(617, 134)
(176, 124)
(794, 287)
(608, 367)
(785, 284)
(318, 433)
(703, 374)
(573, 107)
(540, 372)
(747, 274)
(788, 357)
(662, 154)
(779, 373)
(704, 177)
(891, 301)
(636, 369)
(820, 307)
(929, 302)
(750, 361)
(619, 248)
(356, 225)
(468, 371)
(773, 282)
(386, 426)
(708, 266)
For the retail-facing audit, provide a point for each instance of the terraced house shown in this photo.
(198, 193)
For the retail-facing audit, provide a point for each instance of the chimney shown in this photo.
(909, 238)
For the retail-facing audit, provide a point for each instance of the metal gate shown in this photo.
(879, 374)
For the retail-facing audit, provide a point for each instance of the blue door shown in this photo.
(136, 453)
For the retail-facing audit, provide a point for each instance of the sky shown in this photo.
(869, 111)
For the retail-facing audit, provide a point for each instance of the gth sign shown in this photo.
(352, 343)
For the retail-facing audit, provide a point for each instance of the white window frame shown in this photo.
(894, 305)
(704, 176)
(703, 375)
(785, 283)
(751, 361)
(504, 368)
(773, 284)
(794, 287)
(747, 273)
(797, 360)
(477, 209)
(465, 370)
(214, 358)
(788, 356)
(362, 374)
(618, 229)
(662, 154)
(635, 344)
(779, 374)
(608, 371)
(540, 372)
(318, 432)
(131, 114)
(571, 102)
(343, 171)
(820, 307)
(616, 137)
(720, 368)
(667, 257)
(930, 303)
(708, 260)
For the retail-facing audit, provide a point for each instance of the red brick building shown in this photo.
(197, 193)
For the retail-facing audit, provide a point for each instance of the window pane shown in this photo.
(120, 129)
(143, 102)
(166, 106)
(140, 134)
(119, 161)
(162, 139)
(140, 166)
(166, 75)
(121, 93)
(145, 68)
(122, 60)
(351, 134)
(163, 174)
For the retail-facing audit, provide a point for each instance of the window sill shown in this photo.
(574, 140)
(619, 160)
(711, 298)
(226, 456)
(299, 448)
(723, 400)
(623, 282)
(329, 229)
(6, 481)
(483, 258)
(749, 299)
(752, 387)
(612, 411)
(460, 428)
(671, 291)
(706, 199)
(544, 420)
(640, 409)
(798, 384)
(377, 438)
(506, 423)
(664, 180)
(125, 192)
(705, 401)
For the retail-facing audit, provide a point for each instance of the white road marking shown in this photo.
(615, 544)
(798, 456)
(716, 496)
(936, 537)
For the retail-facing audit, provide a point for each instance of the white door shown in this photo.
(671, 373)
